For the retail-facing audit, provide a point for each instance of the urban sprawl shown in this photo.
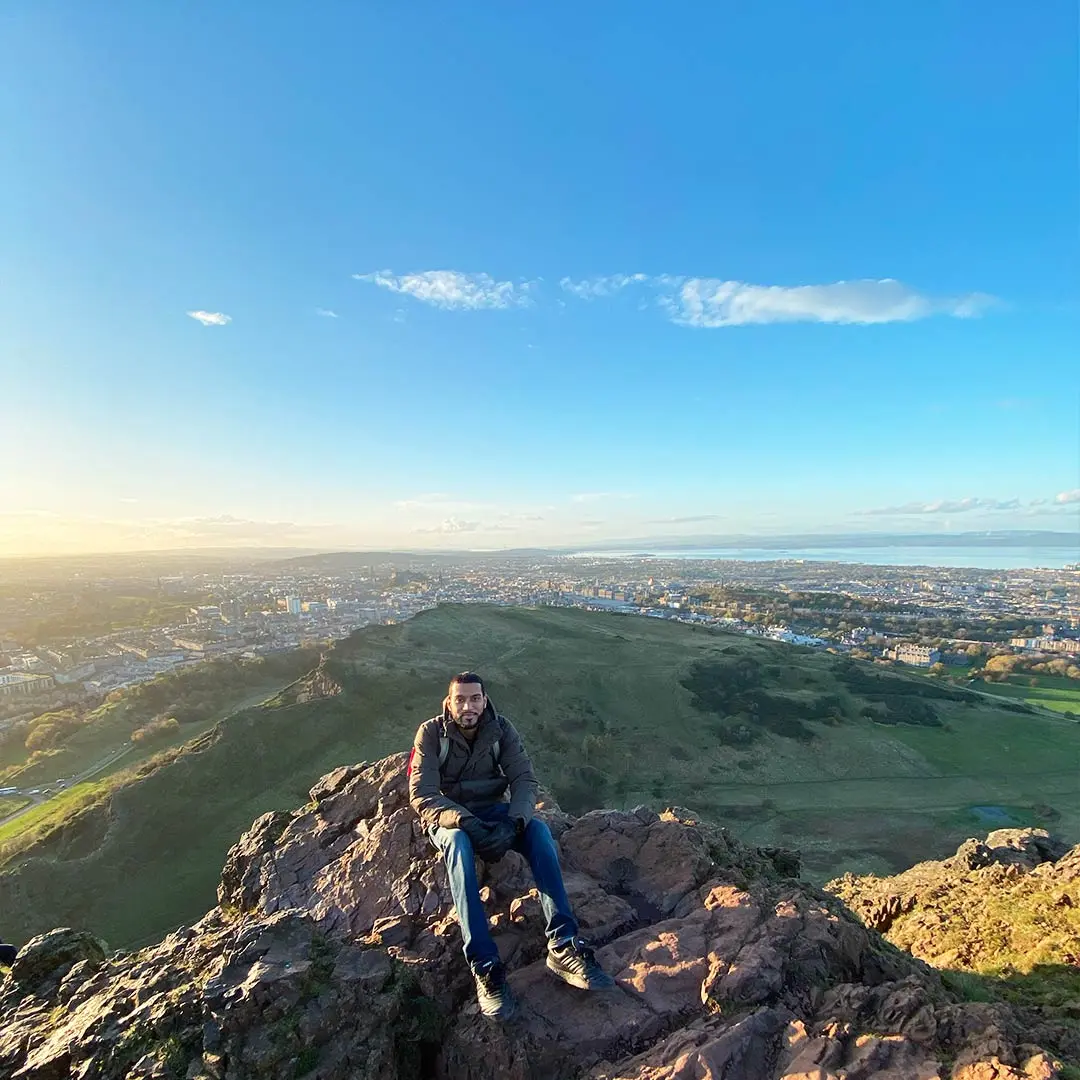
(920, 616)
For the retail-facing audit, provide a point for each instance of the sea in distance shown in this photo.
(980, 558)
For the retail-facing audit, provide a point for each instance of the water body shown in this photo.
(981, 558)
(994, 815)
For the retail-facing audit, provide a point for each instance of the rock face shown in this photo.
(1005, 855)
(1006, 904)
(316, 684)
(334, 953)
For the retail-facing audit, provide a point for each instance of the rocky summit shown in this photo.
(334, 953)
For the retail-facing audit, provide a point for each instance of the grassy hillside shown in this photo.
(197, 697)
(1049, 691)
(861, 769)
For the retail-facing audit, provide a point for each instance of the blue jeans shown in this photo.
(538, 846)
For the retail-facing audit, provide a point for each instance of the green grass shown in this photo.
(18, 835)
(9, 804)
(998, 937)
(110, 730)
(1050, 692)
(602, 704)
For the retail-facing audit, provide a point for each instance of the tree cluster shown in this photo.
(156, 729)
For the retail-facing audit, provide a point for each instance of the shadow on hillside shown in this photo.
(1047, 998)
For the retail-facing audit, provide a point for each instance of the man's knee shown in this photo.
(537, 832)
(452, 842)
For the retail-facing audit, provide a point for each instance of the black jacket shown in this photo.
(470, 778)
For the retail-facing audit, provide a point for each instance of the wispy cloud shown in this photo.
(454, 289)
(44, 532)
(715, 302)
(952, 506)
(210, 318)
(604, 285)
(711, 303)
(507, 516)
(1068, 497)
(703, 302)
(326, 313)
(454, 525)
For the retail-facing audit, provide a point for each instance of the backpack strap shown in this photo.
(444, 749)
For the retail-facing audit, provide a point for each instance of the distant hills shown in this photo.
(1008, 538)
(59, 567)
(343, 560)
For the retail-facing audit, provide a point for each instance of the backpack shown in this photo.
(444, 753)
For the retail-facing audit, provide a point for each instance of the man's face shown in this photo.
(467, 703)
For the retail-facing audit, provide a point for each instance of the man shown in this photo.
(472, 785)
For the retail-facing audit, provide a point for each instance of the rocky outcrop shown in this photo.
(334, 953)
(1007, 906)
(980, 873)
(316, 684)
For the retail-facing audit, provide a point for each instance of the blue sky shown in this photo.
(483, 276)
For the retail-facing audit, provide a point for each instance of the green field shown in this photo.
(9, 804)
(780, 744)
(1050, 692)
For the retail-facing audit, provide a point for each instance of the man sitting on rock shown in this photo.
(463, 764)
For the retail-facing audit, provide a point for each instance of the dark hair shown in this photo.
(466, 677)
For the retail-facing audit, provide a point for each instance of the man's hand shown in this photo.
(491, 841)
(503, 835)
(479, 832)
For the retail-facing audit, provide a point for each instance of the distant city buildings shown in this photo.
(1047, 643)
(260, 610)
(232, 610)
(22, 684)
(918, 655)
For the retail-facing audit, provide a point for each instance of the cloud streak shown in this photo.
(699, 302)
(453, 289)
(605, 285)
(956, 506)
(710, 303)
(1067, 497)
(210, 318)
(326, 313)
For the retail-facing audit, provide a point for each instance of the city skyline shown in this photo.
(478, 279)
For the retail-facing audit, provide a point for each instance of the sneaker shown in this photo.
(575, 963)
(492, 991)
